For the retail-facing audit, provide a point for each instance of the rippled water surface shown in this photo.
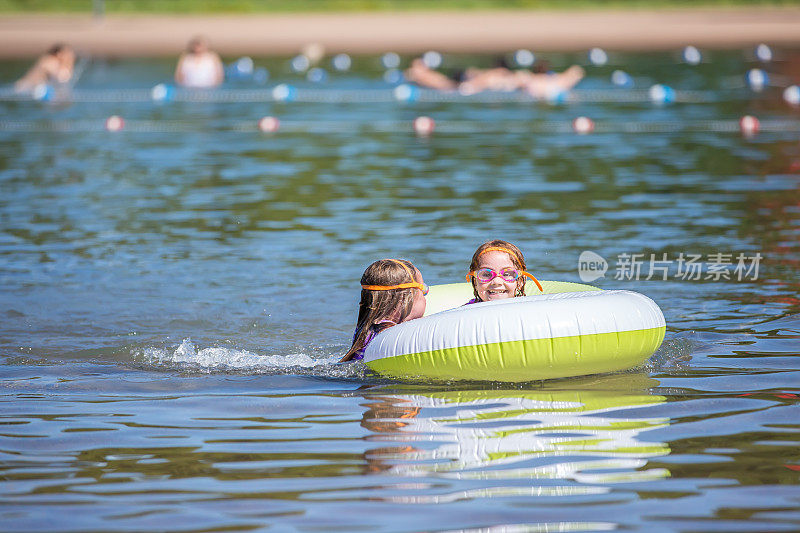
(173, 298)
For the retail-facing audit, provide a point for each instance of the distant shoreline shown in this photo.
(26, 35)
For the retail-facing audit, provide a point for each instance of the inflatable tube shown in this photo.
(545, 336)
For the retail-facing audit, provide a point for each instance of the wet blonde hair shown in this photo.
(378, 305)
(517, 259)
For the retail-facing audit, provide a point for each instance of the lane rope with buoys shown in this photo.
(422, 125)
(403, 93)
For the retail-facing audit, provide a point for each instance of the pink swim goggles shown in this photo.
(485, 275)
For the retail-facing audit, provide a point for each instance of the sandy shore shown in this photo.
(29, 35)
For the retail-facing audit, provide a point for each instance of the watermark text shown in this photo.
(717, 266)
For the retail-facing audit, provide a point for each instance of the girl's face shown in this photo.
(418, 308)
(497, 288)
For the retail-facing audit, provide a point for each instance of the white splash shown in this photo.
(218, 358)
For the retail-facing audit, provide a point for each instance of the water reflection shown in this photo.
(542, 527)
(572, 439)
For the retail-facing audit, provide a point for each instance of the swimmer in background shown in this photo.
(497, 78)
(420, 74)
(55, 67)
(543, 83)
(497, 271)
(540, 83)
(392, 291)
(199, 67)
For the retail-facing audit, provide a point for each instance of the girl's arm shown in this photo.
(219, 68)
(179, 70)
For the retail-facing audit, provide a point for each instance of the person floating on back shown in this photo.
(497, 271)
(541, 83)
(199, 67)
(392, 291)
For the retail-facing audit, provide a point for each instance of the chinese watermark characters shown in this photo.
(716, 266)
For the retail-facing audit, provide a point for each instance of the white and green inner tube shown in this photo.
(570, 330)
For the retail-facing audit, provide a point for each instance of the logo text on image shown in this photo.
(591, 266)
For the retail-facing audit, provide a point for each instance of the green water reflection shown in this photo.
(585, 437)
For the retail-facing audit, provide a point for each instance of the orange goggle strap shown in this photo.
(523, 273)
(405, 267)
(390, 287)
(499, 249)
(409, 285)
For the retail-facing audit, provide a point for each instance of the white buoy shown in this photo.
(405, 93)
(317, 75)
(661, 94)
(764, 53)
(42, 92)
(792, 95)
(341, 62)
(244, 66)
(283, 92)
(524, 58)
(432, 59)
(598, 57)
(390, 60)
(300, 63)
(161, 93)
(692, 55)
(269, 124)
(757, 79)
(393, 76)
(620, 78)
(424, 126)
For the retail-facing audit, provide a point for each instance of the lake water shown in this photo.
(173, 298)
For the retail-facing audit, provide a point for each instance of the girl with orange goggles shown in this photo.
(392, 291)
